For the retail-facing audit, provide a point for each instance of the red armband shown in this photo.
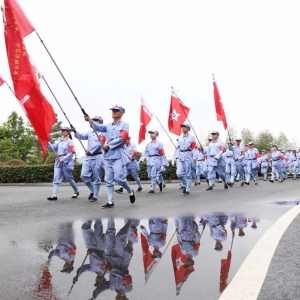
(196, 246)
(205, 156)
(286, 159)
(221, 148)
(245, 221)
(267, 159)
(73, 251)
(71, 149)
(243, 153)
(135, 234)
(124, 135)
(224, 233)
(161, 151)
(281, 157)
(257, 155)
(127, 280)
(163, 236)
(102, 139)
(193, 145)
(133, 152)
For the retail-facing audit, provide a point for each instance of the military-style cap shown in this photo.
(154, 131)
(97, 118)
(238, 139)
(274, 145)
(118, 107)
(210, 138)
(251, 143)
(215, 132)
(263, 150)
(246, 145)
(65, 128)
(186, 125)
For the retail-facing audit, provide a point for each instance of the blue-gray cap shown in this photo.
(65, 128)
(154, 131)
(251, 143)
(97, 118)
(238, 139)
(215, 132)
(186, 125)
(118, 107)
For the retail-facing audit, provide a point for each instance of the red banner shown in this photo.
(219, 106)
(145, 118)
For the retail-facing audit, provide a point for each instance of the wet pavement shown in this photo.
(33, 228)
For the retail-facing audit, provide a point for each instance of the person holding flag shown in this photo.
(115, 157)
(156, 159)
(185, 154)
(64, 163)
(214, 154)
(93, 161)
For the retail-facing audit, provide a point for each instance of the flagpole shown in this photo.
(143, 100)
(82, 109)
(10, 88)
(173, 92)
(62, 109)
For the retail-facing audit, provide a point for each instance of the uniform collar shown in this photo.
(186, 135)
(117, 123)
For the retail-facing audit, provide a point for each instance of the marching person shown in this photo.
(277, 158)
(156, 159)
(252, 163)
(186, 154)
(294, 163)
(215, 151)
(64, 164)
(133, 167)
(115, 158)
(200, 164)
(264, 164)
(93, 161)
(230, 168)
(239, 158)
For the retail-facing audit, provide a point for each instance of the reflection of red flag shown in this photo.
(219, 106)
(27, 90)
(180, 272)
(149, 261)
(225, 267)
(177, 115)
(146, 117)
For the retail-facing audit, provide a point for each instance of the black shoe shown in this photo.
(164, 186)
(265, 179)
(119, 191)
(207, 182)
(236, 180)
(256, 183)
(276, 179)
(75, 195)
(195, 183)
(209, 188)
(247, 183)
(91, 196)
(184, 190)
(132, 197)
(271, 180)
(225, 186)
(94, 199)
(160, 187)
(294, 178)
(151, 192)
(186, 193)
(139, 190)
(229, 183)
(182, 187)
(52, 198)
(198, 183)
(107, 205)
(242, 184)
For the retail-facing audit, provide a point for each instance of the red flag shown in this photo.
(27, 90)
(224, 272)
(1, 80)
(146, 117)
(219, 106)
(180, 272)
(177, 115)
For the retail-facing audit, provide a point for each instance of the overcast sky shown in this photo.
(112, 52)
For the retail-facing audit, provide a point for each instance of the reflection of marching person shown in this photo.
(66, 249)
(93, 161)
(118, 255)
(133, 167)
(156, 159)
(238, 221)
(115, 157)
(64, 164)
(218, 232)
(133, 237)
(186, 154)
(215, 151)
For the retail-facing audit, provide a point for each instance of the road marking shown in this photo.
(247, 282)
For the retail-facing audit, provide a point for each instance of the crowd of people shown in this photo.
(109, 147)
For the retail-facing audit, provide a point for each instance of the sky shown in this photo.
(112, 52)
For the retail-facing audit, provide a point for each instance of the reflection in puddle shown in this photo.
(294, 202)
(195, 256)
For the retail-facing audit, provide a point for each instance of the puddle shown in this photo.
(294, 202)
(190, 257)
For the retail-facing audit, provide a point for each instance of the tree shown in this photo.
(232, 133)
(7, 150)
(247, 136)
(264, 140)
(282, 141)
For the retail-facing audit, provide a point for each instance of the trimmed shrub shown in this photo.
(15, 162)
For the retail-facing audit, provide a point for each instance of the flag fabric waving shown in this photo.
(145, 118)
(1, 80)
(177, 115)
(219, 106)
(224, 272)
(27, 89)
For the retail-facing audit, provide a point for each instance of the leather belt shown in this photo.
(95, 154)
(60, 155)
(188, 241)
(212, 156)
(185, 150)
(252, 158)
(200, 159)
(275, 159)
(153, 155)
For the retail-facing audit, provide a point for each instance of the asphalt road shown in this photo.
(27, 219)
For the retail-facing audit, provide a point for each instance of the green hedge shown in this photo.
(44, 173)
